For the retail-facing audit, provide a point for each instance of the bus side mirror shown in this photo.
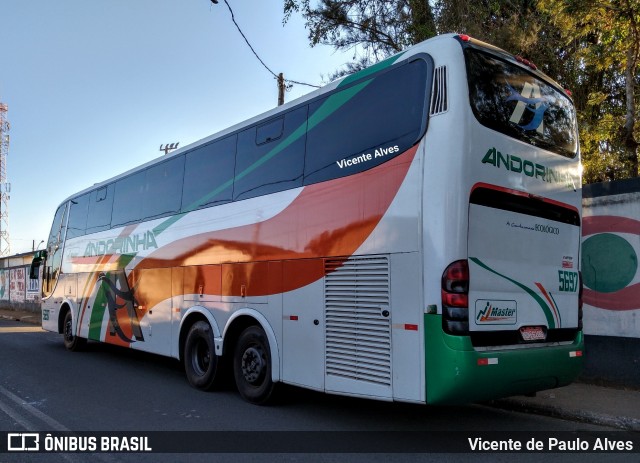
(38, 258)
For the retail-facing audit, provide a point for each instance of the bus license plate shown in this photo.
(533, 333)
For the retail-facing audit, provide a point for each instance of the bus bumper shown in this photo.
(456, 373)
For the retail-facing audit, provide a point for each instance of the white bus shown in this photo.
(410, 233)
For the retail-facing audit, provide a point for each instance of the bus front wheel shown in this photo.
(252, 366)
(71, 342)
(201, 364)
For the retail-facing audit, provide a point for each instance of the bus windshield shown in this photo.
(510, 100)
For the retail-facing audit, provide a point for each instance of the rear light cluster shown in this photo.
(455, 298)
(526, 62)
(518, 58)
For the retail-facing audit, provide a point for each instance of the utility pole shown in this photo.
(281, 88)
(5, 186)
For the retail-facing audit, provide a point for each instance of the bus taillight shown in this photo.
(455, 298)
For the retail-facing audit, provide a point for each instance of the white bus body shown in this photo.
(387, 236)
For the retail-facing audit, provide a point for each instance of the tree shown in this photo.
(608, 58)
(373, 29)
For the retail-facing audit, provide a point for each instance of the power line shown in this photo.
(275, 76)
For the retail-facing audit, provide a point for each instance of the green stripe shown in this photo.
(557, 307)
(370, 70)
(545, 308)
(97, 314)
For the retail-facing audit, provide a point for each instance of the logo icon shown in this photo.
(23, 442)
(529, 100)
(118, 296)
(496, 312)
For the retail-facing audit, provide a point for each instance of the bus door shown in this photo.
(52, 263)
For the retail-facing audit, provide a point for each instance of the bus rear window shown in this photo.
(510, 100)
(528, 205)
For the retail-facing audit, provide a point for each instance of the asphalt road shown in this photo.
(106, 389)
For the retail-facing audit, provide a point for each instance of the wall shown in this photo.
(610, 251)
(17, 290)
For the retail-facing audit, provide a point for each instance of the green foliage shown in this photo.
(606, 38)
(372, 29)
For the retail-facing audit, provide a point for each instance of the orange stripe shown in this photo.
(555, 310)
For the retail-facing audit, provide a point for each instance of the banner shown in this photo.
(4, 284)
(17, 284)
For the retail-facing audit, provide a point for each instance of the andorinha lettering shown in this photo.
(365, 157)
(122, 245)
(519, 165)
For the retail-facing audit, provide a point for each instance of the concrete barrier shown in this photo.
(610, 251)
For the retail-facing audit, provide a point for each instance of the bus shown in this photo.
(410, 233)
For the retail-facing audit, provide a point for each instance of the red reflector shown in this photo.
(409, 327)
(455, 299)
(488, 361)
(293, 317)
(575, 353)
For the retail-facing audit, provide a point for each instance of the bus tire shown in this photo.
(252, 366)
(71, 342)
(201, 364)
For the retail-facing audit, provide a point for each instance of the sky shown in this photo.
(95, 87)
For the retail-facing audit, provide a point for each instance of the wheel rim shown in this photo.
(201, 357)
(254, 363)
(68, 330)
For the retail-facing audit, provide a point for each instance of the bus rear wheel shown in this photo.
(252, 366)
(201, 364)
(71, 342)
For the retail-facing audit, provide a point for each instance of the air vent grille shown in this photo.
(358, 330)
(439, 95)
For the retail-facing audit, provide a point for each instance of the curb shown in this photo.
(581, 416)
(18, 317)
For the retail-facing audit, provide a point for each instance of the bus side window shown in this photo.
(78, 216)
(268, 162)
(100, 205)
(127, 199)
(367, 123)
(208, 174)
(162, 192)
